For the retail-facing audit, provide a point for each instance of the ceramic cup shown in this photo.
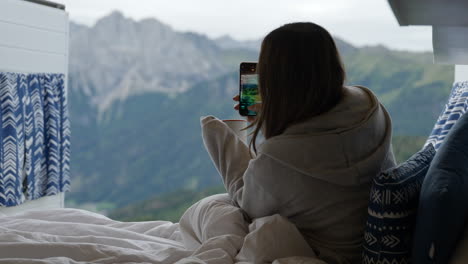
(237, 125)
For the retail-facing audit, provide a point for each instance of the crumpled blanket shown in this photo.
(212, 231)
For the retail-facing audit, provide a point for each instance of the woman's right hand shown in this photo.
(255, 107)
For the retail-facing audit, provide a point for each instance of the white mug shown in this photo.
(238, 125)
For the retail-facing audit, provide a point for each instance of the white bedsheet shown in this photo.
(78, 236)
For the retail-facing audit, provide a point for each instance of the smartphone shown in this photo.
(248, 88)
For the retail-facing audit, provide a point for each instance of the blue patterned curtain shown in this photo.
(34, 137)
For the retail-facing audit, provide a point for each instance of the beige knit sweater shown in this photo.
(317, 173)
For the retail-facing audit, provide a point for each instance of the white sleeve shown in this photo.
(249, 182)
(261, 191)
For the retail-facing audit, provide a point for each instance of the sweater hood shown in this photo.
(347, 145)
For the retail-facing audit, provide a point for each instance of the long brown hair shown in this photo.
(300, 76)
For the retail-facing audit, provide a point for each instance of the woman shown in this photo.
(324, 142)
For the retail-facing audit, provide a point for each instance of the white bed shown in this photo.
(211, 231)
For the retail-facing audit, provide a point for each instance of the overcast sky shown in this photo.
(360, 22)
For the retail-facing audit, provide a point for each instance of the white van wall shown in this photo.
(33, 39)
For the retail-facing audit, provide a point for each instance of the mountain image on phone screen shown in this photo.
(249, 94)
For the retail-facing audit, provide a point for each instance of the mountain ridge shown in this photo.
(126, 57)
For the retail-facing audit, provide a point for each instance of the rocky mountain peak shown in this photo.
(119, 57)
(227, 42)
(115, 15)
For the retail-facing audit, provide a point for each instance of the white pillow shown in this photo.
(211, 217)
(274, 237)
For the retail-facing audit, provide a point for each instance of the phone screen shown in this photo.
(248, 88)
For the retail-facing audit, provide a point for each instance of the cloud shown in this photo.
(361, 22)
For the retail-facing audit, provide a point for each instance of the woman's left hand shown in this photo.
(255, 107)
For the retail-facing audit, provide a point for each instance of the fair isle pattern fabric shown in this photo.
(35, 137)
(392, 210)
(456, 106)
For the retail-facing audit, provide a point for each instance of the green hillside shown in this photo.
(148, 145)
(169, 207)
(405, 146)
(412, 88)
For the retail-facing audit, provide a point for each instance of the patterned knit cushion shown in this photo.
(392, 208)
(456, 106)
(443, 204)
